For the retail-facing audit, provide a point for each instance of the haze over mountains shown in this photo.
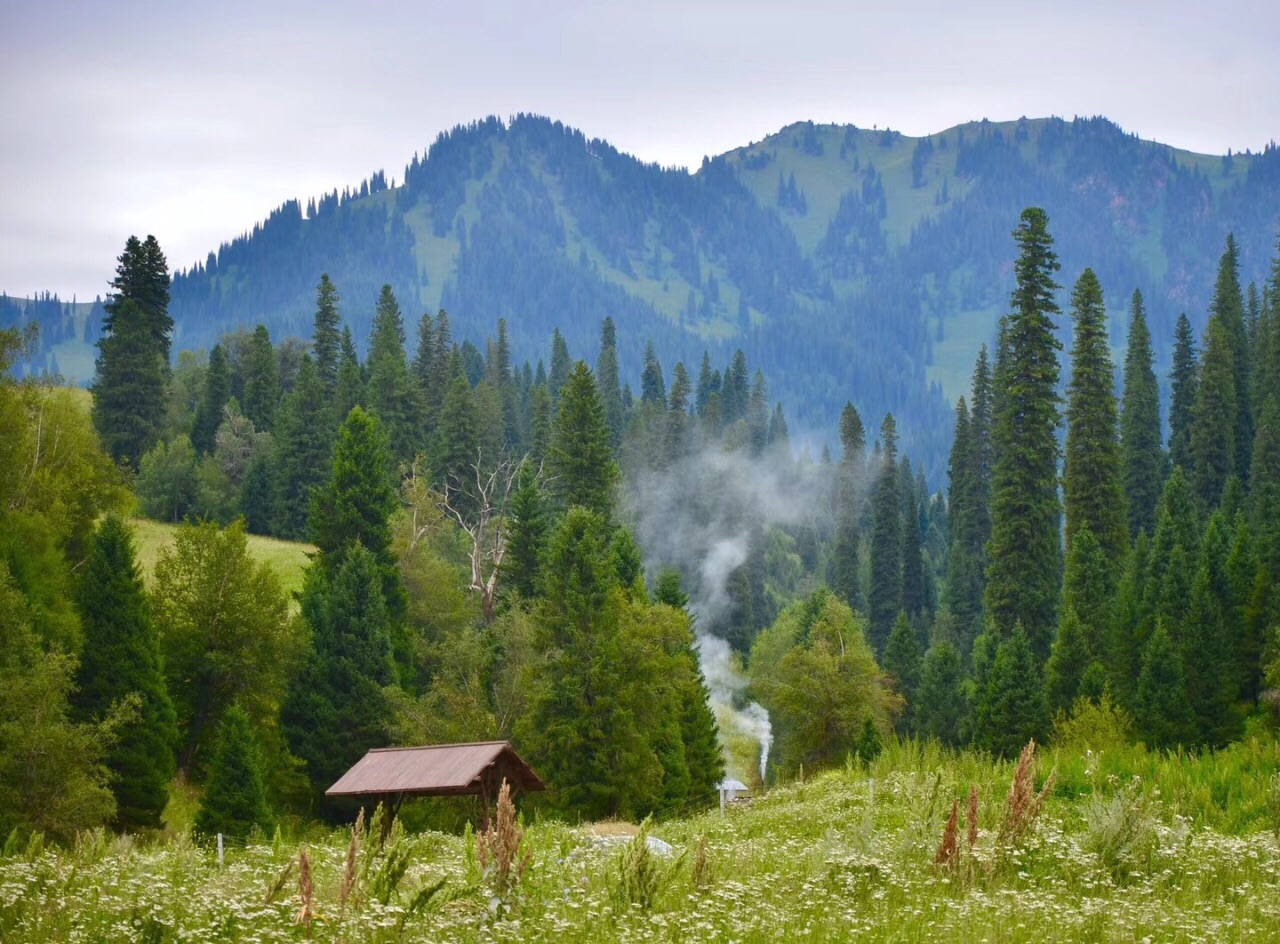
(849, 264)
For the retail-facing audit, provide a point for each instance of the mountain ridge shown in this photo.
(850, 264)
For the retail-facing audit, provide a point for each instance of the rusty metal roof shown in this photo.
(438, 770)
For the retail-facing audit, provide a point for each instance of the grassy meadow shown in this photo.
(287, 558)
(1128, 846)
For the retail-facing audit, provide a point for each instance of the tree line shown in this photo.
(477, 572)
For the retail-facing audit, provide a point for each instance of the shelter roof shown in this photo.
(438, 770)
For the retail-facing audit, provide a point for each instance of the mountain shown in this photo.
(849, 264)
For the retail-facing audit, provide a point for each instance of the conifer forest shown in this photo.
(984, 670)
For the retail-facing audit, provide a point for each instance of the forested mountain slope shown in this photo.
(847, 263)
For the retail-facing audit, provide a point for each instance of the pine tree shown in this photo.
(354, 507)
(336, 709)
(128, 385)
(1088, 588)
(142, 276)
(846, 576)
(561, 365)
(1227, 308)
(217, 391)
(870, 745)
(653, 388)
(258, 495)
(1069, 659)
(915, 590)
(1011, 708)
(1023, 577)
(962, 597)
(457, 447)
(580, 462)
(235, 801)
(1184, 386)
(607, 379)
(940, 707)
(436, 383)
(1264, 490)
(261, 381)
(527, 535)
(1213, 421)
(1128, 637)
(1092, 485)
(585, 729)
(348, 390)
(1141, 458)
(391, 394)
(1213, 638)
(678, 429)
(540, 424)
(902, 661)
(1161, 710)
(121, 659)
(326, 339)
(886, 541)
(304, 448)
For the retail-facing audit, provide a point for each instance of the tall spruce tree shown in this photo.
(902, 659)
(846, 570)
(1227, 307)
(561, 365)
(521, 566)
(915, 590)
(353, 507)
(678, 425)
(580, 462)
(1141, 457)
(261, 381)
(940, 706)
(303, 448)
(1011, 707)
(1093, 492)
(1162, 712)
(1127, 639)
(336, 708)
(348, 390)
(121, 660)
(390, 392)
(1069, 659)
(885, 597)
(1184, 383)
(610, 386)
(327, 339)
(216, 393)
(1024, 574)
(128, 384)
(1213, 420)
(235, 800)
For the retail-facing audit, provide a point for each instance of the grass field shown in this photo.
(1129, 847)
(287, 558)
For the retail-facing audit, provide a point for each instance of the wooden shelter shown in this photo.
(389, 774)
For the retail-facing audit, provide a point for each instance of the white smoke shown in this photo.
(691, 516)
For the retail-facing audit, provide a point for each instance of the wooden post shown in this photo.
(219, 850)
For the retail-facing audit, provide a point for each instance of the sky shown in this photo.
(191, 119)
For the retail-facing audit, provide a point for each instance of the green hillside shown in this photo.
(809, 249)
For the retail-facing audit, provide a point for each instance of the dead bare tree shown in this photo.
(478, 502)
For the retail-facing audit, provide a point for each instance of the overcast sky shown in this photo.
(192, 120)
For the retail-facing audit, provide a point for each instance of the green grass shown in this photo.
(1130, 846)
(287, 558)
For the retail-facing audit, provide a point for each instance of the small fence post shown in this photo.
(219, 850)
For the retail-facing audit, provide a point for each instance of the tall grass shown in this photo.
(1128, 845)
